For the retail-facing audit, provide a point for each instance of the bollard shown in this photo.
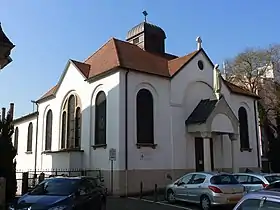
(2, 193)
(41, 177)
(156, 194)
(34, 178)
(24, 187)
(141, 190)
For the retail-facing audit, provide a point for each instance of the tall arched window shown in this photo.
(29, 137)
(145, 117)
(63, 131)
(243, 128)
(16, 139)
(71, 123)
(48, 141)
(100, 118)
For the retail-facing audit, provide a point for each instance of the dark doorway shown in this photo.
(199, 154)
(212, 154)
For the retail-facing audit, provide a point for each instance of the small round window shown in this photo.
(200, 64)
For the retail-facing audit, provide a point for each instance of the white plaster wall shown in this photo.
(25, 161)
(74, 82)
(159, 158)
(188, 87)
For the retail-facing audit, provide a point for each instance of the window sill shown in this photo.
(104, 146)
(246, 149)
(63, 151)
(139, 145)
(28, 152)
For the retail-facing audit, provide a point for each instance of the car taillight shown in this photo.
(264, 185)
(215, 189)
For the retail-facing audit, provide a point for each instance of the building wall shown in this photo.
(25, 160)
(174, 100)
(73, 82)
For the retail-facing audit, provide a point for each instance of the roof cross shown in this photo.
(145, 13)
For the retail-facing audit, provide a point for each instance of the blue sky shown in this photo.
(49, 32)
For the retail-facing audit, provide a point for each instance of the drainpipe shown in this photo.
(126, 140)
(257, 133)
(36, 138)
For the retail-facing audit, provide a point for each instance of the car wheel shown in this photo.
(103, 206)
(170, 196)
(205, 202)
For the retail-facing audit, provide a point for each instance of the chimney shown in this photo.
(198, 42)
(3, 114)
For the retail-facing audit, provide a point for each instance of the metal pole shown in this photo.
(112, 177)
(36, 139)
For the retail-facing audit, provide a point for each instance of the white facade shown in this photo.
(174, 151)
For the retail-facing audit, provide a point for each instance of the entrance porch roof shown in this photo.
(213, 116)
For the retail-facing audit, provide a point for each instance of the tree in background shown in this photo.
(257, 70)
(8, 153)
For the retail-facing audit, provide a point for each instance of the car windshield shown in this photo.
(223, 179)
(272, 178)
(58, 187)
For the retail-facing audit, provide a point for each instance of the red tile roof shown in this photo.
(3, 38)
(120, 54)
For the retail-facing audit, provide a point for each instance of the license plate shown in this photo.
(234, 199)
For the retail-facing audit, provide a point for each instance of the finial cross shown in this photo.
(145, 13)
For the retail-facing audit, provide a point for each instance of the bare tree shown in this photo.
(257, 70)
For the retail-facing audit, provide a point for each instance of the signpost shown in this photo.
(112, 158)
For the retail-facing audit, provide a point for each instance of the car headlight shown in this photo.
(58, 208)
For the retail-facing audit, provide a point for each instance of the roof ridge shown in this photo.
(117, 51)
(183, 56)
(112, 38)
(128, 43)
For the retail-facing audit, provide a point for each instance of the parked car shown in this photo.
(262, 199)
(64, 193)
(273, 186)
(256, 181)
(206, 188)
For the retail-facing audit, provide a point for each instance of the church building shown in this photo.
(161, 114)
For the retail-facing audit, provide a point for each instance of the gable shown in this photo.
(82, 69)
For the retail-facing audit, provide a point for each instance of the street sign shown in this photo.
(112, 154)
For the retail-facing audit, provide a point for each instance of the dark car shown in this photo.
(64, 193)
(273, 186)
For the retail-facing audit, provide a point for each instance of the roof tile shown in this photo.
(202, 111)
(120, 54)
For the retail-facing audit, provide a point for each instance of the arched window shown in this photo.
(243, 128)
(63, 130)
(48, 141)
(145, 117)
(29, 137)
(100, 118)
(71, 123)
(78, 127)
(16, 139)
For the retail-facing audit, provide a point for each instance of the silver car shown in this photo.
(262, 199)
(206, 188)
(256, 181)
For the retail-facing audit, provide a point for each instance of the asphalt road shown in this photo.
(147, 203)
(136, 204)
